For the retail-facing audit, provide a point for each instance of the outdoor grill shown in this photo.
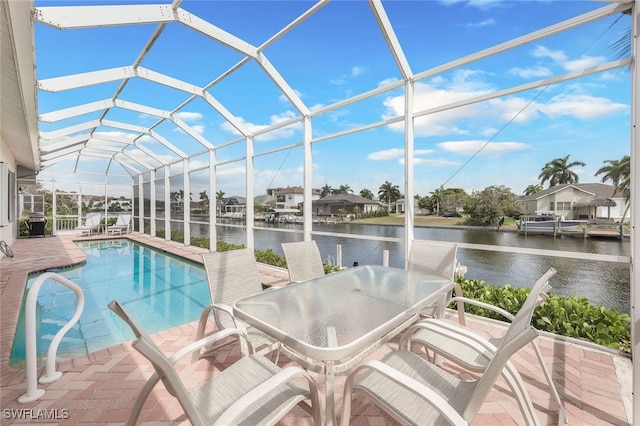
(36, 224)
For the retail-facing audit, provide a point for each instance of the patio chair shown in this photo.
(436, 258)
(442, 338)
(253, 390)
(232, 275)
(414, 390)
(122, 224)
(304, 261)
(91, 223)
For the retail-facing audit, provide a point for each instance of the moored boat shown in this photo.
(547, 221)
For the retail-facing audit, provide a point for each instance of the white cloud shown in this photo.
(188, 116)
(464, 84)
(424, 151)
(532, 72)
(470, 147)
(281, 133)
(388, 154)
(433, 162)
(562, 60)
(356, 71)
(486, 23)
(581, 106)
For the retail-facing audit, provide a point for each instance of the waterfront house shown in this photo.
(590, 201)
(332, 204)
(292, 196)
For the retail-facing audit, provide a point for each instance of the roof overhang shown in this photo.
(18, 107)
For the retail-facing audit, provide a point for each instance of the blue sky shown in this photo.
(339, 53)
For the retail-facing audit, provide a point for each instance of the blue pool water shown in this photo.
(160, 290)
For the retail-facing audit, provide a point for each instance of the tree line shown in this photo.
(488, 206)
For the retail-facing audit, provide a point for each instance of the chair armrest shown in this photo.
(471, 339)
(249, 399)
(427, 394)
(462, 300)
(206, 341)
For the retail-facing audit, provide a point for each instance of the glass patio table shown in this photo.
(330, 323)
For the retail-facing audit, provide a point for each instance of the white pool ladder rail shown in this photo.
(33, 393)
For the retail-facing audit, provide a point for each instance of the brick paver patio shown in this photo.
(101, 388)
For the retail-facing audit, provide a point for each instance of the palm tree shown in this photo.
(389, 193)
(619, 173)
(558, 171)
(219, 200)
(343, 189)
(436, 198)
(366, 193)
(532, 189)
(326, 191)
(204, 201)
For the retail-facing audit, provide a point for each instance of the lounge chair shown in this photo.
(232, 275)
(441, 337)
(435, 258)
(414, 390)
(253, 390)
(91, 223)
(304, 261)
(122, 224)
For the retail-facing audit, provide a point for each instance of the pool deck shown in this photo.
(101, 388)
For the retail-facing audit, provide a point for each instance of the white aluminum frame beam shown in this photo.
(75, 17)
(635, 212)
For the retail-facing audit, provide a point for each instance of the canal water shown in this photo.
(602, 283)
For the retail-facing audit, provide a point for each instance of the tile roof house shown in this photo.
(589, 201)
(333, 203)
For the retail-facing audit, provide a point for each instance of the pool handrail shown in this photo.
(33, 393)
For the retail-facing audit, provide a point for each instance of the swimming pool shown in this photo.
(160, 290)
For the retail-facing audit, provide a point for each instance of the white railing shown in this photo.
(66, 223)
(33, 393)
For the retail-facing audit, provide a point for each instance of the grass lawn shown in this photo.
(430, 220)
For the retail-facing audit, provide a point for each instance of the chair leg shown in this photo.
(514, 380)
(142, 398)
(562, 419)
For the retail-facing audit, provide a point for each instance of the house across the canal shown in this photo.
(590, 201)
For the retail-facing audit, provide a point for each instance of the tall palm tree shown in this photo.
(558, 171)
(389, 193)
(619, 173)
(532, 189)
(326, 190)
(219, 200)
(204, 201)
(366, 193)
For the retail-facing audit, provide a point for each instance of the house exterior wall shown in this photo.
(9, 232)
(292, 200)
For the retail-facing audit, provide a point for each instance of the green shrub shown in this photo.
(566, 316)
(270, 258)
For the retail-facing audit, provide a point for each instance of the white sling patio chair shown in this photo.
(442, 337)
(91, 223)
(415, 391)
(122, 224)
(436, 258)
(232, 275)
(304, 261)
(252, 391)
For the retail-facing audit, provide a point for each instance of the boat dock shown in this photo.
(582, 231)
